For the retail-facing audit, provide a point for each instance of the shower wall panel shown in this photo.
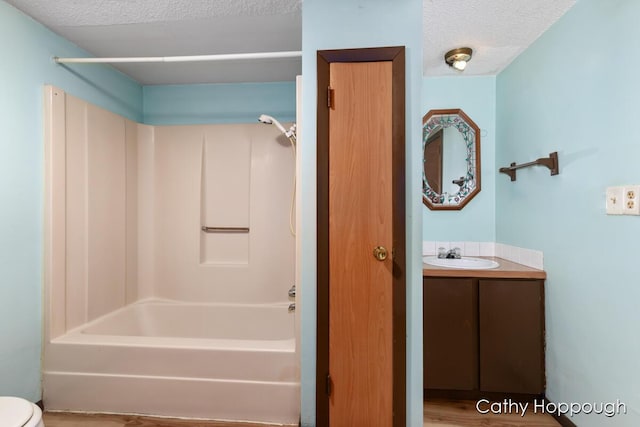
(131, 212)
(177, 166)
(224, 199)
(75, 123)
(146, 211)
(106, 215)
(253, 267)
(99, 182)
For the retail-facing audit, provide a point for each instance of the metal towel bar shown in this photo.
(550, 162)
(225, 229)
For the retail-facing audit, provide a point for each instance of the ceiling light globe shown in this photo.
(459, 65)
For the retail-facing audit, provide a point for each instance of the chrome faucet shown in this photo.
(454, 253)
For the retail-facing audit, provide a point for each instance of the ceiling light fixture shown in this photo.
(458, 58)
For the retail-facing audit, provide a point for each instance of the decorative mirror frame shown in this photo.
(471, 186)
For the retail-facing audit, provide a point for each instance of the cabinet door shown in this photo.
(512, 336)
(450, 334)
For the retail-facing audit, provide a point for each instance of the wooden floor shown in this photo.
(448, 413)
(56, 419)
(437, 413)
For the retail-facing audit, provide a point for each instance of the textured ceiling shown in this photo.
(497, 31)
(114, 12)
(107, 28)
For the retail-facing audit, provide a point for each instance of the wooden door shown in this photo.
(361, 298)
(360, 219)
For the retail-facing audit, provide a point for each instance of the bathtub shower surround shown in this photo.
(138, 296)
(529, 257)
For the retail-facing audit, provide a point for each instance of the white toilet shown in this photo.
(16, 412)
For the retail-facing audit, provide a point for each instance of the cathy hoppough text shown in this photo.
(508, 406)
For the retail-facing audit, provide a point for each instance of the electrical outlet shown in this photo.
(631, 203)
(615, 200)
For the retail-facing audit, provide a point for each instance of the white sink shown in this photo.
(467, 263)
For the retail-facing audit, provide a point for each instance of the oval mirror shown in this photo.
(451, 156)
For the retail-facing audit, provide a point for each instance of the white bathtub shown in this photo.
(210, 361)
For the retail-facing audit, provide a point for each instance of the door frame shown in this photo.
(396, 55)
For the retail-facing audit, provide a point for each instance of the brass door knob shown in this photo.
(380, 253)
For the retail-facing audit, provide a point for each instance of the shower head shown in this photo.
(271, 121)
(291, 133)
(265, 119)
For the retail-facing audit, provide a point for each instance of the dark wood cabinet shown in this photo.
(451, 334)
(511, 330)
(484, 335)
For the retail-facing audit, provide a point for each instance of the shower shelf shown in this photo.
(225, 229)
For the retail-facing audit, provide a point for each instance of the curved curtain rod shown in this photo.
(194, 58)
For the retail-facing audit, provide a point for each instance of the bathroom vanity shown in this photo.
(483, 331)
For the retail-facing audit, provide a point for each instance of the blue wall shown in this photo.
(27, 48)
(219, 103)
(476, 96)
(577, 91)
(339, 24)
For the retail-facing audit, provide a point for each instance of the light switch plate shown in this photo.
(631, 205)
(615, 200)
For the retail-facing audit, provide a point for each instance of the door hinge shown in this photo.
(328, 385)
(330, 95)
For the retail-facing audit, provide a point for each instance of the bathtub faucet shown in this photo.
(292, 307)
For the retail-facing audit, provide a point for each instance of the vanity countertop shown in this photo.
(506, 270)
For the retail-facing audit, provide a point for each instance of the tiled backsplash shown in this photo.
(528, 257)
